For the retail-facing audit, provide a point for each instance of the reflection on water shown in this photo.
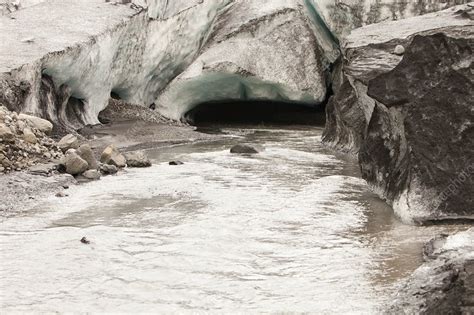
(290, 229)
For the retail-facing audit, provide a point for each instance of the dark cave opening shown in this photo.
(255, 113)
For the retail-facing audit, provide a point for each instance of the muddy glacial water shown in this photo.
(292, 229)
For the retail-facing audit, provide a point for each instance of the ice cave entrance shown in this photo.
(255, 113)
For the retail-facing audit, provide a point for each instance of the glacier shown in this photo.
(175, 54)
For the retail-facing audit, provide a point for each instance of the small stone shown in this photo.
(137, 159)
(175, 163)
(61, 194)
(91, 174)
(29, 136)
(84, 240)
(28, 40)
(399, 50)
(68, 142)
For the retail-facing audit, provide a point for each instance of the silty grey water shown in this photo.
(290, 229)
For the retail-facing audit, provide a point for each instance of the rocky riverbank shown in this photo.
(35, 165)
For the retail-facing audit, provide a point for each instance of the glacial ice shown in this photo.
(257, 53)
(58, 54)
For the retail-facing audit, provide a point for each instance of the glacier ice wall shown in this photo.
(61, 59)
(120, 50)
(256, 53)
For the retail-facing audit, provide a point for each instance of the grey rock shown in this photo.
(6, 134)
(29, 136)
(85, 152)
(175, 163)
(38, 123)
(244, 149)
(42, 169)
(91, 174)
(137, 159)
(107, 169)
(61, 194)
(75, 165)
(68, 142)
(112, 156)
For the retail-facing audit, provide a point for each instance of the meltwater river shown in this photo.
(292, 229)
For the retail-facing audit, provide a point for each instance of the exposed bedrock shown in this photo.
(410, 117)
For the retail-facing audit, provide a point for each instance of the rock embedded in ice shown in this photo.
(399, 50)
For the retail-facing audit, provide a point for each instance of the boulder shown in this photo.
(75, 165)
(137, 159)
(29, 136)
(112, 156)
(244, 149)
(6, 133)
(68, 142)
(38, 123)
(91, 174)
(107, 169)
(87, 154)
